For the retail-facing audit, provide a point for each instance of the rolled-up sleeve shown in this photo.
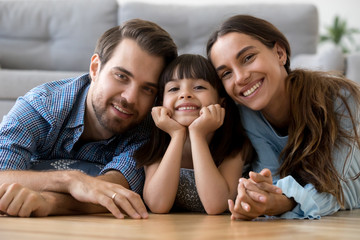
(310, 203)
(124, 161)
(126, 164)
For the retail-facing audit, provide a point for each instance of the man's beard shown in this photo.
(115, 126)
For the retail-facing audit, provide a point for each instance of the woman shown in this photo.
(303, 125)
(196, 153)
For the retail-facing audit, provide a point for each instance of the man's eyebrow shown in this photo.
(237, 56)
(151, 84)
(124, 71)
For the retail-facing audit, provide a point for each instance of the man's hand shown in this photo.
(16, 200)
(114, 197)
(67, 192)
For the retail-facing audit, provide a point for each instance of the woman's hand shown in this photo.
(263, 181)
(163, 120)
(258, 196)
(210, 119)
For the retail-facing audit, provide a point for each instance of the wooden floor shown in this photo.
(342, 225)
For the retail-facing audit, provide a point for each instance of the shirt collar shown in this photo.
(77, 114)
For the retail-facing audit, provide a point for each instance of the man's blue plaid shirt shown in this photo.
(46, 123)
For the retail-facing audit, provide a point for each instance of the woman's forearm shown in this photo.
(280, 204)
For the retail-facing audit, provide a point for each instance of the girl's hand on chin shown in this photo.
(210, 119)
(163, 120)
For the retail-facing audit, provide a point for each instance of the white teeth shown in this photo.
(251, 90)
(186, 108)
(121, 110)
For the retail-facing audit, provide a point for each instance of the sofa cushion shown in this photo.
(52, 35)
(5, 106)
(353, 66)
(15, 83)
(328, 58)
(191, 26)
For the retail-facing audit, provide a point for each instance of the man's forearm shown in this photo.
(56, 181)
(72, 192)
(65, 204)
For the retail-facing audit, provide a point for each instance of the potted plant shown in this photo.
(339, 34)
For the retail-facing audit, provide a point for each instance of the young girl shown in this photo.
(303, 124)
(197, 151)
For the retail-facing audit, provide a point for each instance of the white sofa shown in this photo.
(47, 40)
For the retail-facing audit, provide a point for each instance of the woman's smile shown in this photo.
(249, 90)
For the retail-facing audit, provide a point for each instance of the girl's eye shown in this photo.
(173, 89)
(199, 87)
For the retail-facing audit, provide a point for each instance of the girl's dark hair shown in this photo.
(227, 141)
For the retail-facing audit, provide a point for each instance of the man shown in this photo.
(95, 119)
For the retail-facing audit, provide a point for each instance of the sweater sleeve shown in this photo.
(310, 203)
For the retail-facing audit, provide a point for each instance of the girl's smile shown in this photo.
(185, 98)
(187, 107)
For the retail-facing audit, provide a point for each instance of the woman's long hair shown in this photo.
(315, 129)
(228, 140)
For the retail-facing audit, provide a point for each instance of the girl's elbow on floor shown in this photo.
(159, 208)
(214, 210)
(215, 207)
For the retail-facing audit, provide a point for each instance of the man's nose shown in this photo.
(131, 94)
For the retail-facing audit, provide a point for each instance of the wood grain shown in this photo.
(187, 226)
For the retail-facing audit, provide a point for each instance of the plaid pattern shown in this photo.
(48, 121)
